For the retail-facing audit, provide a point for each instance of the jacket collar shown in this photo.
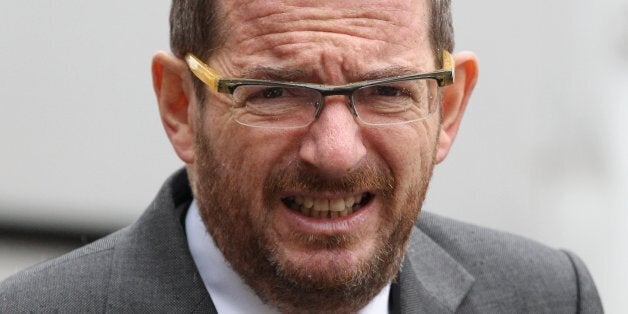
(430, 280)
(152, 269)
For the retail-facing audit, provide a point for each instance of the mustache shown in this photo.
(305, 178)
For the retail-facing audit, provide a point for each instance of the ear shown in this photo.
(455, 98)
(174, 90)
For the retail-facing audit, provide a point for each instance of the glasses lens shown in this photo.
(274, 106)
(396, 102)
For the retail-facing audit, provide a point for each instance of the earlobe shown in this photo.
(455, 99)
(174, 90)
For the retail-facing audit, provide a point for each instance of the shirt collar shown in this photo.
(227, 289)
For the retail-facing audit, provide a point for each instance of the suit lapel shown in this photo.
(430, 281)
(153, 270)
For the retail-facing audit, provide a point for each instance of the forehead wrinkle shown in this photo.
(262, 11)
(282, 24)
(286, 37)
(314, 31)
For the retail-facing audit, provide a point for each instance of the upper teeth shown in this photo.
(322, 207)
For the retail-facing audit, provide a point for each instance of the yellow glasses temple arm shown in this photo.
(449, 64)
(201, 70)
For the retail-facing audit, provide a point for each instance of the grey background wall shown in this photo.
(542, 151)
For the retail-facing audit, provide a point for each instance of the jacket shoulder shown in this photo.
(513, 272)
(71, 282)
(473, 245)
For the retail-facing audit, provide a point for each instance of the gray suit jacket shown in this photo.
(450, 267)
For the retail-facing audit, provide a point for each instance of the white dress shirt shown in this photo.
(227, 290)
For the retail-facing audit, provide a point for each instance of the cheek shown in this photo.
(248, 155)
(408, 150)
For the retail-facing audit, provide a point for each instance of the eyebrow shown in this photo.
(391, 71)
(275, 74)
(301, 75)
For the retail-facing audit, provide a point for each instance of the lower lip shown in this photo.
(327, 226)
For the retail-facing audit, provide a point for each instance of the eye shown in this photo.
(390, 91)
(272, 92)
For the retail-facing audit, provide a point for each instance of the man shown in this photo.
(309, 130)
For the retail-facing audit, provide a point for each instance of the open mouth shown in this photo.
(327, 208)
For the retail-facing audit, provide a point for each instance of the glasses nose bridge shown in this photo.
(348, 92)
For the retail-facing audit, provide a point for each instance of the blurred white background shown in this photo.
(542, 151)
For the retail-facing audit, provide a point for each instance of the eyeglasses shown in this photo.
(272, 104)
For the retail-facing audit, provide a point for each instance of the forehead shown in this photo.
(319, 34)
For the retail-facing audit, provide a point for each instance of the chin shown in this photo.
(314, 279)
(332, 265)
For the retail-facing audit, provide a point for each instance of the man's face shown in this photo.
(256, 186)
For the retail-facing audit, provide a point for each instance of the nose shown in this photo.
(333, 144)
